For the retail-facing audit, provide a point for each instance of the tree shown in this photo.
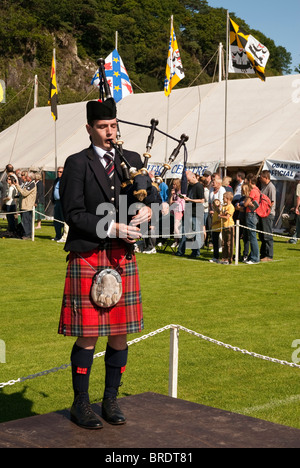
(29, 29)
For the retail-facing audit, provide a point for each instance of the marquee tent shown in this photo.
(263, 122)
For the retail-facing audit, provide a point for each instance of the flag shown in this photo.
(2, 92)
(117, 77)
(53, 90)
(258, 55)
(174, 69)
(247, 54)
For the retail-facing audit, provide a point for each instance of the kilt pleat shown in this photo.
(80, 316)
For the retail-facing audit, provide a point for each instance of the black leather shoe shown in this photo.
(83, 415)
(111, 411)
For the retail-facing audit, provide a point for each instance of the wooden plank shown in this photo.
(153, 421)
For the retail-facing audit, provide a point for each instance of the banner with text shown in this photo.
(177, 168)
(283, 170)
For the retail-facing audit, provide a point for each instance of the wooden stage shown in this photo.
(153, 421)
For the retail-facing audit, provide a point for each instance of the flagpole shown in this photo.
(55, 143)
(36, 91)
(167, 131)
(168, 105)
(116, 41)
(55, 132)
(226, 94)
(220, 61)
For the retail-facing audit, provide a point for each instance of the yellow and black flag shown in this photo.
(174, 68)
(246, 55)
(53, 90)
(2, 92)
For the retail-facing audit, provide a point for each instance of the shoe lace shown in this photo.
(113, 403)
(85, 404)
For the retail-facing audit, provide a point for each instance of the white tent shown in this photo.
(263, 123)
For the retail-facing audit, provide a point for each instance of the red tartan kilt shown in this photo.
(79, 315)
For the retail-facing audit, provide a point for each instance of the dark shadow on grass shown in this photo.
(40, 236)
(15, 406)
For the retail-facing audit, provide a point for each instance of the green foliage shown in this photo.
(29, 29)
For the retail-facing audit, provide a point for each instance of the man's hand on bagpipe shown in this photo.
(128, 233)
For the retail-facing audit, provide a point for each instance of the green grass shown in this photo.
(252, 307)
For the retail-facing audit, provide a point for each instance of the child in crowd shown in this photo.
(177, 204)
(226, 216)
(216, 229)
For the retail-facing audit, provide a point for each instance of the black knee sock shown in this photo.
(82, 360)
(115, 362)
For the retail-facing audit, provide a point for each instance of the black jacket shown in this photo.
(84, 185)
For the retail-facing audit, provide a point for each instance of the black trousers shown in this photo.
(266, 225)
(27, 223)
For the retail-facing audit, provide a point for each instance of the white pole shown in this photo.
(168, 103)
(173, 363)
(55, 135)
(33, 224)
(226, 90)
(220, 61)
(167, 130)
(36, 88)
(237, 242)
(116, 45)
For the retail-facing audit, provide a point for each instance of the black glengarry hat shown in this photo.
(98, 110)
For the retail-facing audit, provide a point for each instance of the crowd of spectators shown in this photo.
(223, 201)
(21, 190)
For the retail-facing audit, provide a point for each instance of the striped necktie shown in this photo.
(110, 165)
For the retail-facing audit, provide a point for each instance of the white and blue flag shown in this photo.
(117, 77)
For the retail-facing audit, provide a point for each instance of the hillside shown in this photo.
(84, 30)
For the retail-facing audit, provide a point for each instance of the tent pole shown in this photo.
(226, 92)
(260, 168)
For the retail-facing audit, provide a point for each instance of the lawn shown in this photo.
(254, 307)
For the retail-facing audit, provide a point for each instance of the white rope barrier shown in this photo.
(34, 212)
(47, 218)
(173, 355)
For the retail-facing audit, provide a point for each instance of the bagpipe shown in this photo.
(136, 183)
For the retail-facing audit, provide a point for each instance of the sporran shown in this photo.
(106, 289)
